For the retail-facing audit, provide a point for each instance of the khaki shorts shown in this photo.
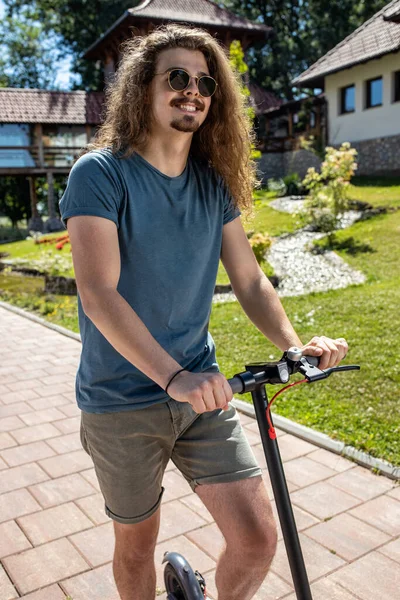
(131, 449)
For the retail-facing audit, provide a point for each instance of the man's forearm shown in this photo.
(263, 307)
(126, 332)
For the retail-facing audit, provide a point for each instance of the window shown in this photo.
(347, 99)
(313, 119)
(396, 86)
(374, 92)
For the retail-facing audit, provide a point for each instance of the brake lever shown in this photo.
(313, 373)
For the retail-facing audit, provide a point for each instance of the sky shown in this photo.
(63, 67)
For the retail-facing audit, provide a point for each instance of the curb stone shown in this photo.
(301, 431)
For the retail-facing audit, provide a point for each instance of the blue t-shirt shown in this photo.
(170, 234)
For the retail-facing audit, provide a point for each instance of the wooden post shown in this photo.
(35, 222)
(53, 223)
(290, 123)
(109, 68)
(88, 130)
(38, 134)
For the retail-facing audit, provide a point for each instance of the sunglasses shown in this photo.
(179, 80)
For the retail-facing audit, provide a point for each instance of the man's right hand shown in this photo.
(204, 391)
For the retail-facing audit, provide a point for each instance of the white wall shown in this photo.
(363, 124)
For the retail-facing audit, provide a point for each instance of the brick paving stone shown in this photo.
(245, 419)
(391, 550)
(176, 519)
(90, 476)
(253, 437)
(70, 396)
(12, 540)
(3, 465)
(18, 408)
(289, 447)
(44, 565)
(382, 512)
(30, 375)
(71, 410)
(96, 544)
(17, 503)
(363, 484)
(22, 476)
(54, 523)
(54, 379)
(370, 577)
(347, 536)
(35, 433)
(194, 503)
(323, 500)
(196, 557)
(21, 396)
(42, 416)
(325, 589)
(93, 507)
(332, 460)
(267, 481)
(395, 493)
(65, 443)
(6, 441)
(60, 490)
(318, 560)
(209, 539)
(176, 486)
(304, 471)
(50, 390)
(101, 579)
(53, 592)
(64, 464)
(26, 453)
(10, 423)
(31, 384)
(7, 590)
(69, 425)
(48, 402)
(303, 519)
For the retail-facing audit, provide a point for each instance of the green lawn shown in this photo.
(360, 408)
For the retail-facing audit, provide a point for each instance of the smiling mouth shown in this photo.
(189, 109)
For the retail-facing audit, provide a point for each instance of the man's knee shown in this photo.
(259, 545)
(137, 542)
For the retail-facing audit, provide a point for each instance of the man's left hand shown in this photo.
(330, 351)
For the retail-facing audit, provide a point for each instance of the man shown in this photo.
(150, 210)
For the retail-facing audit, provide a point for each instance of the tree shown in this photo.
(14, 198)
(28, 55)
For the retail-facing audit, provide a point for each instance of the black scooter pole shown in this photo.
(282, 499)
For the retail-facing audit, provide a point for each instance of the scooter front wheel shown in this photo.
(181, 583)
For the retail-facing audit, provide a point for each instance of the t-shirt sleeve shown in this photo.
(230, 211)
(93, 188)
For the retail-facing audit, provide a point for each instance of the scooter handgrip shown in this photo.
(313, 360)
(236, 384)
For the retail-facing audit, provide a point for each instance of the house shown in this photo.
(41, 133)
(361, 81)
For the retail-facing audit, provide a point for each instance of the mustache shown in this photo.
(194, 101)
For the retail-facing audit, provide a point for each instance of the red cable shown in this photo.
(271, 430)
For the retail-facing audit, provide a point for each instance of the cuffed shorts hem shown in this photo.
(226, 477)
(133, 520)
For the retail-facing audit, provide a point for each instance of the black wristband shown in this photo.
(180, 371)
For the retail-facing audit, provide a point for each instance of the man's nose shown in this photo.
(192, 88)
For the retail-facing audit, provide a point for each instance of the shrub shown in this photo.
(294, 185)
(328, 190)
(260, 242)
(277, 186)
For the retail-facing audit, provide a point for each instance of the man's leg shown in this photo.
(243, 513)
(133, 565)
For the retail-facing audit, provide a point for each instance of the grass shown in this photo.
(359, 408)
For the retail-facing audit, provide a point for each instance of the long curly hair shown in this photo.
(223, 141)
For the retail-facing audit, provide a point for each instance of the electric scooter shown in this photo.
(181, 582)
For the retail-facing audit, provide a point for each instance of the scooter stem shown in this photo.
(282, 498)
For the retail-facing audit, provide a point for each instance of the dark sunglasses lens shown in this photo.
(207, 86)
(178, 80)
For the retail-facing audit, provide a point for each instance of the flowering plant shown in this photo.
(260, 242)
(328, 190)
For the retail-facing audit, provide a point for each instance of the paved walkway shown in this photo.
(55, 539)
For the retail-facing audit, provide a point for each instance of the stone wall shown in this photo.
(279, 164)
(380, 156)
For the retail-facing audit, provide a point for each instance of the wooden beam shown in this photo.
(38, 134)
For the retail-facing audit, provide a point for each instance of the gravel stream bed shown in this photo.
(301, 272)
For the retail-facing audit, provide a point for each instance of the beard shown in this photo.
(186, 123)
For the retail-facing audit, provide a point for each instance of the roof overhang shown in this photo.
(123, 27)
